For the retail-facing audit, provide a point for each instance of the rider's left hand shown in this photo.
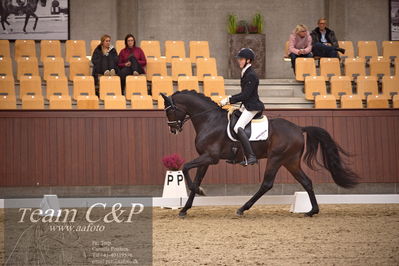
(225, 101)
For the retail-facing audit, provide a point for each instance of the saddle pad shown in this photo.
(259, 129)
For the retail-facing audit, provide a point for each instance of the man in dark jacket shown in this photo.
(250, 103)
(324, 42)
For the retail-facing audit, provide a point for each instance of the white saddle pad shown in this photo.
(259, 129)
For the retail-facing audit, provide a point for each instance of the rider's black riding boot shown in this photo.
(249, 154)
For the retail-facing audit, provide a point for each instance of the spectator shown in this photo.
(104, 59)
(324, 42)
(131, 60)
(300, 44)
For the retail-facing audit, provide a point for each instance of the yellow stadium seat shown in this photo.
(53, 66)
(32, 102)
(93, 46)
(181, 67)
(325, 101)
(355, 67)
(286, 49)
(119, 45)
(6, 66)
(161, 84)
(75, 49)
(199, 49)
(380, 67)
(7, 85)
(187, 83)
(377, 101)
(156, 67)
(142, 102)
(30, 85)
(367, 49)
(27, 66)
(390, 86)
(115, 102)
(160, 102)
(206, 67)
(5, 48)
(7, 101)
(151, 48)
(341, 85)
(60, 102)
(136, 85)
(351, 102)
(214, 86)
(315, 85)
(83, 86)
(395, 102)
(79, 67)
(50, 48)
(174, 49)
(304, 67)
(57, 86)
(110, 86)
(390, 49)
(348, 46)
(397, 67)
(25, 48)
(367, 85)
(330, 67)
(87, 102)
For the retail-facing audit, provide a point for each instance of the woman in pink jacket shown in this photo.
(300, 44)
(132, 60)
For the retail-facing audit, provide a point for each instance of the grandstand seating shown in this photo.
(79, 67)
(181, 67)
(160, 102)
(32, 102)
(25, 48)
(390, 86)
(142, 102)
(351, 102)
(367, 85)
(151, 48)
(348, 46)
(57, 86)
(87, 102)
(395, 101)
(390, 49)
(27, 66)
(60, 102)
(380, 66)
(341, 85)
(206, 67)
(115, 102)
(315, 85)
(187, 83)
(156, 67)
(119, 45)
(110, 86)
(53, 66)
(50, 48)
(83, 86)
(162, 84)
(5, 48)
(93, 46)
(214, 86)
(199, 49)
(304, 67)
(367, 49)
(136, 85)
(325, 101)
(174, 49)
(377, 101)
(75, 49)
(355, 67)
(330, 67)
(7, 85)
(6, 66)
(7, 101)
(30, 85)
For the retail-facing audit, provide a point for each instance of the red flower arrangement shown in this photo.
(173, 162)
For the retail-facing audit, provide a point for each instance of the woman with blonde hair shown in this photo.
(300, 44)
(104, 58)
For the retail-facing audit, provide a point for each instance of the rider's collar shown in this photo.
(245, 69)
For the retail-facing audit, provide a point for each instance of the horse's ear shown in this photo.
(166, 100)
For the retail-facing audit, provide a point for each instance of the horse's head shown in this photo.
(176, 116)
(43, 3)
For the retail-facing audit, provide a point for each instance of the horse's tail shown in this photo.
(331, 154)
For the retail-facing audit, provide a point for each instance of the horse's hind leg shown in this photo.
(26, 21)
(36, 20)
(270, 174)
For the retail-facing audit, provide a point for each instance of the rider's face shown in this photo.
(242, 62)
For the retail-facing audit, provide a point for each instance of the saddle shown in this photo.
(256, 130)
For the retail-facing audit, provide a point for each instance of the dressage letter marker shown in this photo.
(174, 189)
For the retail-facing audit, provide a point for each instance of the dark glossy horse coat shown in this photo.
(284, 147)
(29, 9)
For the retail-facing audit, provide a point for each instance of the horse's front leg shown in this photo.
(26, 21)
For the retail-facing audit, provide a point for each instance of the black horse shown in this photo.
(28, 8)
(283, 147)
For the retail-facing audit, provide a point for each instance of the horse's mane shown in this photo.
(197, 94)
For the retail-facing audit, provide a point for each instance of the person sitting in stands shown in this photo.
(104, 59)
(300, 44)
(132, 60)
(324, 42)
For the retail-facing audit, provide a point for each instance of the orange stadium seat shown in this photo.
(119, 45)
(25, 48)
(7, 85)
(199, 49)
(187, 83)
(355, 67)
(397, 67)
(142, 102)
(348, 46)
(367, 85)
(6, 66)
(214, 86)
(380, 67)
(87, 102)
(181, 67)
(136, 85)
(377, 101)
(50, 48)
(341, 85)
(57, 86)
(156, 67)
(5, 48)
(315, 85)
(330, 67)
(79, 67)
(325, 101)
(304, 67)
(206, 67)
(367, 49)
(161, 85)
(110, 86)
(30, 85)
(27, 66)
(75, 49)
(32, 102)
(395, 102)
(351, 102)
(7, 101)
(93, 46)
(286, 49)
(83, 86)
(151, 48)
(60, 102)
(53, 66)
(160, 102)
(390, 86)
(390, 49)
(115, 102)
(174, 49)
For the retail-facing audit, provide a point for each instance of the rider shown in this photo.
(250, 103)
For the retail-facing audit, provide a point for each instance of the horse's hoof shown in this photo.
(311, 213)
(239, 212)
(182, 214)
(201, 191)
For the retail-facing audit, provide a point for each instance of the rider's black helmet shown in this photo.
(246, 53)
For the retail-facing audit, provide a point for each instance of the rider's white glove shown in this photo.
(225, 101)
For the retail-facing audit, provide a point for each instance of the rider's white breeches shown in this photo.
(244, 119)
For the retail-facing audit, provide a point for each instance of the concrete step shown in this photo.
(271, 91)
(285, 100)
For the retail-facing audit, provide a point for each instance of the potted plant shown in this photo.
(242, 27)
(257, 22)
(174, 185)
(232, 24)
